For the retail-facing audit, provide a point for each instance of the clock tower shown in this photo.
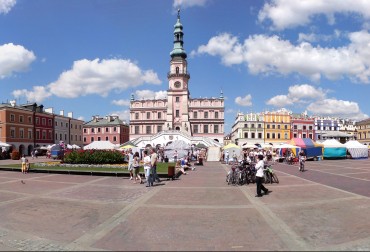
(178, 79)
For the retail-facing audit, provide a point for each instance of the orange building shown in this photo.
(277, 126)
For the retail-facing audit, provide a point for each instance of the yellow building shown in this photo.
(363, 131)
(277, 126)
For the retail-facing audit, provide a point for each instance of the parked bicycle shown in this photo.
(269, 175)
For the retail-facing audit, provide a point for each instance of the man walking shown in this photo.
(147, 167)
(153, 162)
(259, 176)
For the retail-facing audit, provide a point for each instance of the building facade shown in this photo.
(108, 128)
(203, 117)
(277, 126)
(248, 129)
(363, 131)
(303, 126)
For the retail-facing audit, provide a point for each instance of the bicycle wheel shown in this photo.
(275, 178)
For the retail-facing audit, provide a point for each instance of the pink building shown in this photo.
(302, 126)
(203, 117)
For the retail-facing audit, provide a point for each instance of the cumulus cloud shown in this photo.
(38, 94)
(6, 5)
(97, 77)
(303, 93)
(312, 37)
(291, 13)
(188, 3)
(14, 58)
(149, 94)
(340, 108)
(244, 101)
(121, 102)
(272, 55)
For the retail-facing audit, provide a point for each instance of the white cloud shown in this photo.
(38, 94)
(188, 3)
(6, 5)
(267, 55)
(340, 108)
(291, 13)
(245, 101)
(149, 94)
(121, 102)
(14, 58)
(280, 101)
(312, 37)
(97, 77)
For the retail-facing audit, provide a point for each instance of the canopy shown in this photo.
(283, 147)
(2, 144)
(180, 146)
(303, 142)
(247, 145)
(232, 148)
(73, 146)
(334, 149)
(200, 146)
(356, 149)
(100, 145)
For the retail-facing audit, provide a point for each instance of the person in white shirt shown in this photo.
(147, 167)
(259, 176)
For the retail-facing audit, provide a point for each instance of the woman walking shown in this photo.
(136, 166)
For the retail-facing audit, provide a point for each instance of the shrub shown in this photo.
(93, 157)
(15, 155)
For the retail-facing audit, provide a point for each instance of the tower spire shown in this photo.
(178, 42)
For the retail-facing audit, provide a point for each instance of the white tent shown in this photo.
(2, 144)
(334, 149)
(357, 149)
(100, 145)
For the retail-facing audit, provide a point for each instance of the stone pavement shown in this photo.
(325, 208)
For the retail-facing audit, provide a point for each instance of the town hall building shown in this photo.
(178, 114)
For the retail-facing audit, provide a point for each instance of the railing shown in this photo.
(187, 74)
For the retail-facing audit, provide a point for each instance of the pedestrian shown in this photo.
(130, 163)
(23, 161)
(36, 152)
(33, 154)
(259, 176)
(153, 163)
(227, 157)
(175, 156)
(147, 167)
(136, 166)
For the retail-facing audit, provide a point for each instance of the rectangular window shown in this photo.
(29, 134)
(278, 135)
(195, 114)
(43, 121)
(56, 136)
(273, 135)
(92, 130)
(245, 134)
(205, 114)
(85, 130)
(29, 119)
(136, 116)
(273, 126)
(99, 139)
(278, 126)
(205, 128)
(21, 133)
(66, 125)
(20, 118)
(137, 130)
(177, 113)
(12, 133)
(148, 129)
(43, 135)
(259, 125)
(285, 126)
(106, 129)
(295, 127)
(159, 115)
(310, 127)
(286, 135)
(216, 115)
(253, 135)
(260, 135)
(37, 134)
(12, 118)
(114, 129)
(195, 128)
(61, 123)
(65, 137)
(215, 128)
(147, 115)
(92, 139)
(310, 136)
(268, 135)
(295, 135)
(252, 126)
(84, 139)
(114, 139)
(49, 122)
(245, 125)
(304, 128)
(304, 135)
(106, 138)
(61, 137)
(159, 128)
(98, 130)
(268, 126)
(177, 99)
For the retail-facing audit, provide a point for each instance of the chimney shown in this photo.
(13, 103)
(61, 112)
(49, 110)
(70, 114)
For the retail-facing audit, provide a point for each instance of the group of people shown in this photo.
(25, 164)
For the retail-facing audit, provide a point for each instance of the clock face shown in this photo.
(177, 84)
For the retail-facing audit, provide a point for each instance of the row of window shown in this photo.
(21, 134)
(92, 139)
(21, 120)
(99, 130)
(196, 129)
(328, 128)
(65, 137)
(177, 114)
(67, 124)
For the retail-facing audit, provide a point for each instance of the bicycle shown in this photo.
(269, 175)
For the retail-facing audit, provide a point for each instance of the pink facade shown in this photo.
(303, 127)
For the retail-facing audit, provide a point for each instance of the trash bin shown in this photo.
(171, 172)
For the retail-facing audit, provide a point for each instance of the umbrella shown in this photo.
(129, 146)
(200, 146)
(2, 144)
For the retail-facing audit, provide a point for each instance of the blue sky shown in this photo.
(88, 56)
